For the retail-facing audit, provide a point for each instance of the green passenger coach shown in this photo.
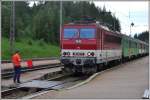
(132, 48)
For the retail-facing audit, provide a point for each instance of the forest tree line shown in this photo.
(144, 36)
(42, 20)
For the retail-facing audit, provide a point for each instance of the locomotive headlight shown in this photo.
(88, 53)
(64, 53)
(92, 53)
(83, 54)
(68, 53)
(73, 53)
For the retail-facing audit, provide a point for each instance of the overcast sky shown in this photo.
(138, 14)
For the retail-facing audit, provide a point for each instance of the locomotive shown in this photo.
(86, 46)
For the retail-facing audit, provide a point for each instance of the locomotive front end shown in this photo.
(78, 47)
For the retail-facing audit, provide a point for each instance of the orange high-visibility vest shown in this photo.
(16, 60)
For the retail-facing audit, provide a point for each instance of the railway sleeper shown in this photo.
(18, 92)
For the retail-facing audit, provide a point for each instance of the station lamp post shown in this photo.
(131, 25)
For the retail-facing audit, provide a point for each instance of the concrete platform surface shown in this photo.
(126, 81)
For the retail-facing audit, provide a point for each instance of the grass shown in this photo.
(29, 49)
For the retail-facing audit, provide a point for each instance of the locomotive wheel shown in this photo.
(69, 68)
(100, 67)
(93, 69)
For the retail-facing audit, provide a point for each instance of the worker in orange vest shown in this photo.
(16, 59)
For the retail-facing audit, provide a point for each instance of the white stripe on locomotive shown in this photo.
(101, 55)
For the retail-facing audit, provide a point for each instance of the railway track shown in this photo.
(62, 81)
(9, 73)
(33, 59)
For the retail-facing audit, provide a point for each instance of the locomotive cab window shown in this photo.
(87, 33)
(70, 33)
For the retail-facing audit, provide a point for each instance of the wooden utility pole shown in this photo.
(12, 27)
(114, 22)
(60, 20)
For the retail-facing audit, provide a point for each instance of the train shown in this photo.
(87, 45)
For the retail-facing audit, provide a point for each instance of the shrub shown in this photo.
(30, 42)
(41, 42)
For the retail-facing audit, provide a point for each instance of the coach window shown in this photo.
(129, 43)
(70, 33)
(135, 45)
(87, 33)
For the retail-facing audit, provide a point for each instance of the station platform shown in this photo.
(126, 81)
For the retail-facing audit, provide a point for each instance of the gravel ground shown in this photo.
(126, 81)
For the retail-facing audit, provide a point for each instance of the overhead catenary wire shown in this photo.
(129, 17)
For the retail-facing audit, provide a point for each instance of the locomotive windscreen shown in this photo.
(70, 32)
(87, 33)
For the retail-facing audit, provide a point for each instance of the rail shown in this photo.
(8, 74)
(33, 59)
(28, 92)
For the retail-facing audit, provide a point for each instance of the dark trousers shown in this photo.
(17, 72)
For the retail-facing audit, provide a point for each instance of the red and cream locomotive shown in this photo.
(85, 45)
